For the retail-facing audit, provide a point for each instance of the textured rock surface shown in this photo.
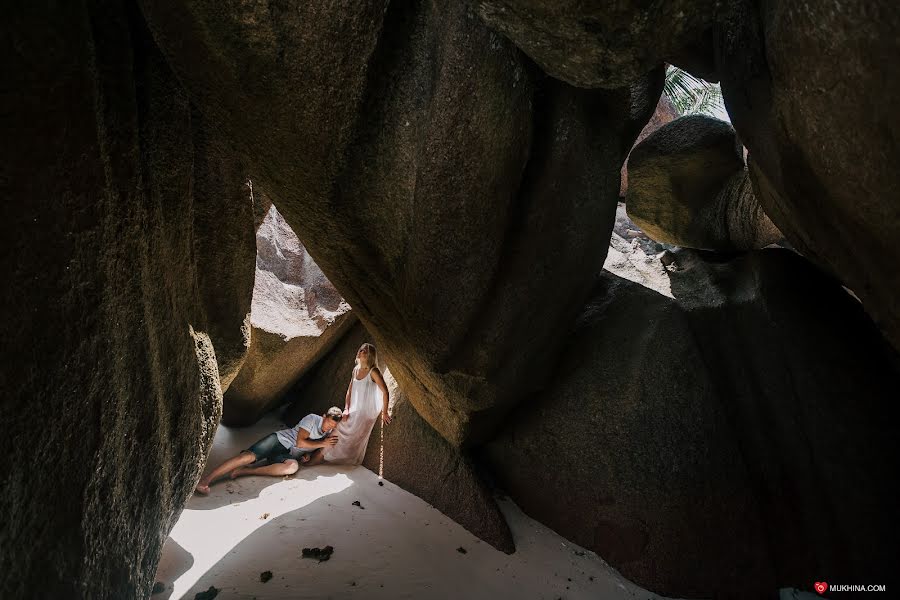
(433, 173)
(745, 426)
(698, 57)
(296, 317)
(128, 271)
(806, 87)
(600, 44)
(416, 457)
(688, 186)
(223, 238)
(665, 113)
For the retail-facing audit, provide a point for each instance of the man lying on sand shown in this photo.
(284, 450)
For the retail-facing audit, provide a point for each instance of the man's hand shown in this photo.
(331, 440)
(345, 415)
(386, 418)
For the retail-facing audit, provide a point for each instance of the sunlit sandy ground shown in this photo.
(395, 546)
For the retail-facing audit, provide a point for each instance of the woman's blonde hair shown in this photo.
(372, 354)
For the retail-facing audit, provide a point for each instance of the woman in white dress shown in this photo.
(367, 397)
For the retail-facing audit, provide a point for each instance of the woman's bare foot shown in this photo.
(305, 458)
(202, 489)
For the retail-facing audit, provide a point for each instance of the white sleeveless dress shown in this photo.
(366, 402)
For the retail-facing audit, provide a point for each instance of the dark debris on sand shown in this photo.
(461, 550)
(322, 554)
(158, 588)
(265, 576)
(356, 503)
(380, 483)
(209, 594)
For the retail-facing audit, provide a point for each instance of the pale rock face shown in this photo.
(291, 296)
(634, 256)
(296, 316)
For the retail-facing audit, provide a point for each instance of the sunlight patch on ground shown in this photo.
(388, 544)
(209, 535)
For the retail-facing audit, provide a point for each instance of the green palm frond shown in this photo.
(690, 95)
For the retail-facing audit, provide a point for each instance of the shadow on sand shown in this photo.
(175, 562)
(369, 540)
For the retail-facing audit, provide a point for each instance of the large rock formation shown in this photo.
(416, 457)
(601, 44)
(808, 88)
(459, 198)
(689, 187)
(432, 172)
(665, 112)
(296, 317)
(127, 279)
(420, 461)
(729, 441)
(698, 57)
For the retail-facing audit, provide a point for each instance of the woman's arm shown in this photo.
(347, 396)
(379, 381)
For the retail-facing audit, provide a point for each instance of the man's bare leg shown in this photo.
(244, 458)
(288, 467)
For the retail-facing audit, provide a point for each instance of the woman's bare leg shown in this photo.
(288, 467)
(244, 458)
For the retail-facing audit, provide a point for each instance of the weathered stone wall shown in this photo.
(433, 173)
(602, 44)
(726, 442)
(460, 199)
(664, 113)
(808, 87)
(128, 273)
(689, 187)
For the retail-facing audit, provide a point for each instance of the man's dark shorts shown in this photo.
(269, 448)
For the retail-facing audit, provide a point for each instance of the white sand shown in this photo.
(397, 546)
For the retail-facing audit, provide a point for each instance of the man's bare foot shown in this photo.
(202, 489)
(305, 458)
(236, 473)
